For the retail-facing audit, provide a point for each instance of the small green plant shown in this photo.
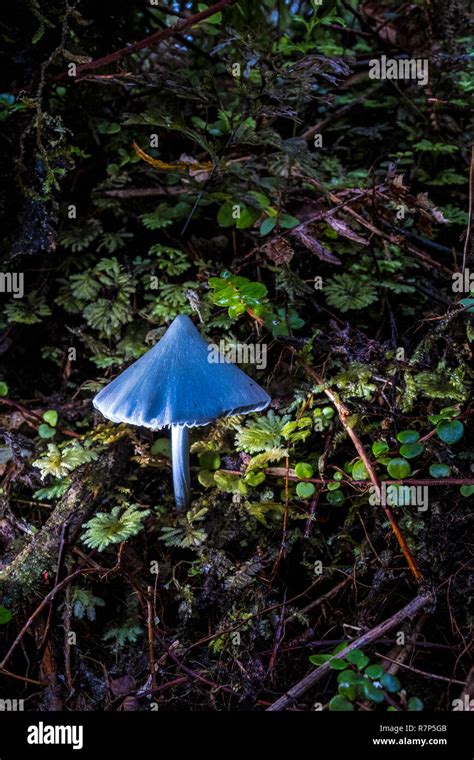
(112, 528)
(359, 680)
(84, 604)
(59, 462)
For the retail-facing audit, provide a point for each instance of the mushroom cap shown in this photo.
(174, 383)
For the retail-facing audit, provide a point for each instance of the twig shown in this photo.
(278, 636)
(344, 415)
(434, 676)
(300, 688)
(198, 677)
(469, 219)
(150, 41)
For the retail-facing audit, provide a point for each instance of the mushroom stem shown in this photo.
(180, 461)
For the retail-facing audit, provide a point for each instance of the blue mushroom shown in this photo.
(176, 385)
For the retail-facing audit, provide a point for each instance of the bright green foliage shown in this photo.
(361, 681)
(112, 528)
(59, 462)
(261, 434)
(345, 292)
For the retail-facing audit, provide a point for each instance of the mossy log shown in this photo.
(19, 576)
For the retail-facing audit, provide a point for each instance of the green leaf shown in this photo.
(305, 490)
(255, 478)
(337, 663)
(374, 672)
(319, 659)
(51, 417)
(415, 704)
(439, 470)
(411, 450)
(287, 222)
(398, 468)
(373, 694)
(206, 478)
(379, 447)
(450, 432)
(248, 217)
(45, 431)
(224, 216)
(3, 389)
(216, 18)
(359, 471)
(466, 490)
(358, 658)
(303, 470)
(210, 460)
(236, 310)
(408, 436)
(347, 676)
(390, 683)
(253, 290)
(5, 615)
(336, 498)
(161, 447)
(267, 225)
(340, 704)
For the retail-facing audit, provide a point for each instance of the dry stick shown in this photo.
(278, 636)
(153, 39)
(192, 674)
(48, 598)
(280, 472)
(424, 673)
(344, 414)
(471, 202)
(308, 681)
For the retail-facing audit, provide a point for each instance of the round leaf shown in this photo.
(162, 447)
(319, 659)
(379, 448)
(210, 460)
(45, 431)
(358, 658)
(415, 704)
(336, 498)
(359, 471)
(373, 694)
(450, 432)
(390, 683)
(338, 664)
(51, 417)
(398, 468)
(303, 470)
(3, 388)
(408, 436)
(206, 478)
(305, 490)
(466, 490)
(374, 671)
(340, 704)
(439, 470)
(411, 450)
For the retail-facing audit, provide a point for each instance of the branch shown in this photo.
(344, 414)
(153, 39)
(308, 681)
